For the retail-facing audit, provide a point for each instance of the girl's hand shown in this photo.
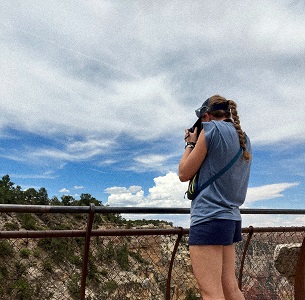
(190, 136)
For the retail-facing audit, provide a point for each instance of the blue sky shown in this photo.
(95, 95)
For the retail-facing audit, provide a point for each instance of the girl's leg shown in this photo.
(207, 268)
(229, 282)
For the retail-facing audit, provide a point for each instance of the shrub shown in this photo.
(27, 221)
(122, 257)
(59, 249)
(25, 252)
(110, 287)
(92, 270)
(76, 260)
(6, 249)
(108, 254)
(20, 269)
(61, 227)
(191, 295)
(23, 289)
(137, 255)
(74, 287)
(3, 270)
(104, 272)
(48, 265)
(11, 226)
(98, 219)
(37, 252)
(3, 277)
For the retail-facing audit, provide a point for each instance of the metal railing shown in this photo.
(152, 262)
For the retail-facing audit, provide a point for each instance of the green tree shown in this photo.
(6, 182)
(55, 201)
(42, 197)
(7, 190)
(30, 196)
(67, 200)
(86, 199)
(18, 195)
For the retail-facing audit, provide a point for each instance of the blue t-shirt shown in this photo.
(222, 198)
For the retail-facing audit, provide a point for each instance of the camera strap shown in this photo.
(193, 188)
(223, 170)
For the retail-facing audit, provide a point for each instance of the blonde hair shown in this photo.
(230, 113)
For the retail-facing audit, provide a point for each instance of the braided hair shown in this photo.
(230, 112)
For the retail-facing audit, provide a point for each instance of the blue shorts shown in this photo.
(215, 232)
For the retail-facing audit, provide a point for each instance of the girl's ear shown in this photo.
(206, 117)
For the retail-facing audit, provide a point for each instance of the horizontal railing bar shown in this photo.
(42, 234)
(142, 210)
(86, 209)
(132, 232)
(127, 232)
(268, 211)
(128, 210)
(154, 210)
(139, 232)
(82, 233)
(43, 208)
(273, 229)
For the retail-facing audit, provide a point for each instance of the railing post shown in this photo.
(169, 275)
(240, 278)
(299, 283)
(86, 251)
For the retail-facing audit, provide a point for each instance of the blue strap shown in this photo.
(223, 170)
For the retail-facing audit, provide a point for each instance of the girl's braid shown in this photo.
(241, 134)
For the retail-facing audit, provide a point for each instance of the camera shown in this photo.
(196, 125)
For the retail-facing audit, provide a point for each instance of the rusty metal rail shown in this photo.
(299, 288)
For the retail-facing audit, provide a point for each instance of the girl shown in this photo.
(215, 215)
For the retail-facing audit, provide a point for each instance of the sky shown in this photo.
(96, 95)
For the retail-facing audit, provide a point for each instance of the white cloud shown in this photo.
(168, 191)
(151, 159)
(153, 162)
(71, 151)
(64, 191)
(272, 220)
(132, 77)
(33, 176)
(267, 192)
(121, 196)
(116, 84)
(78, 187)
